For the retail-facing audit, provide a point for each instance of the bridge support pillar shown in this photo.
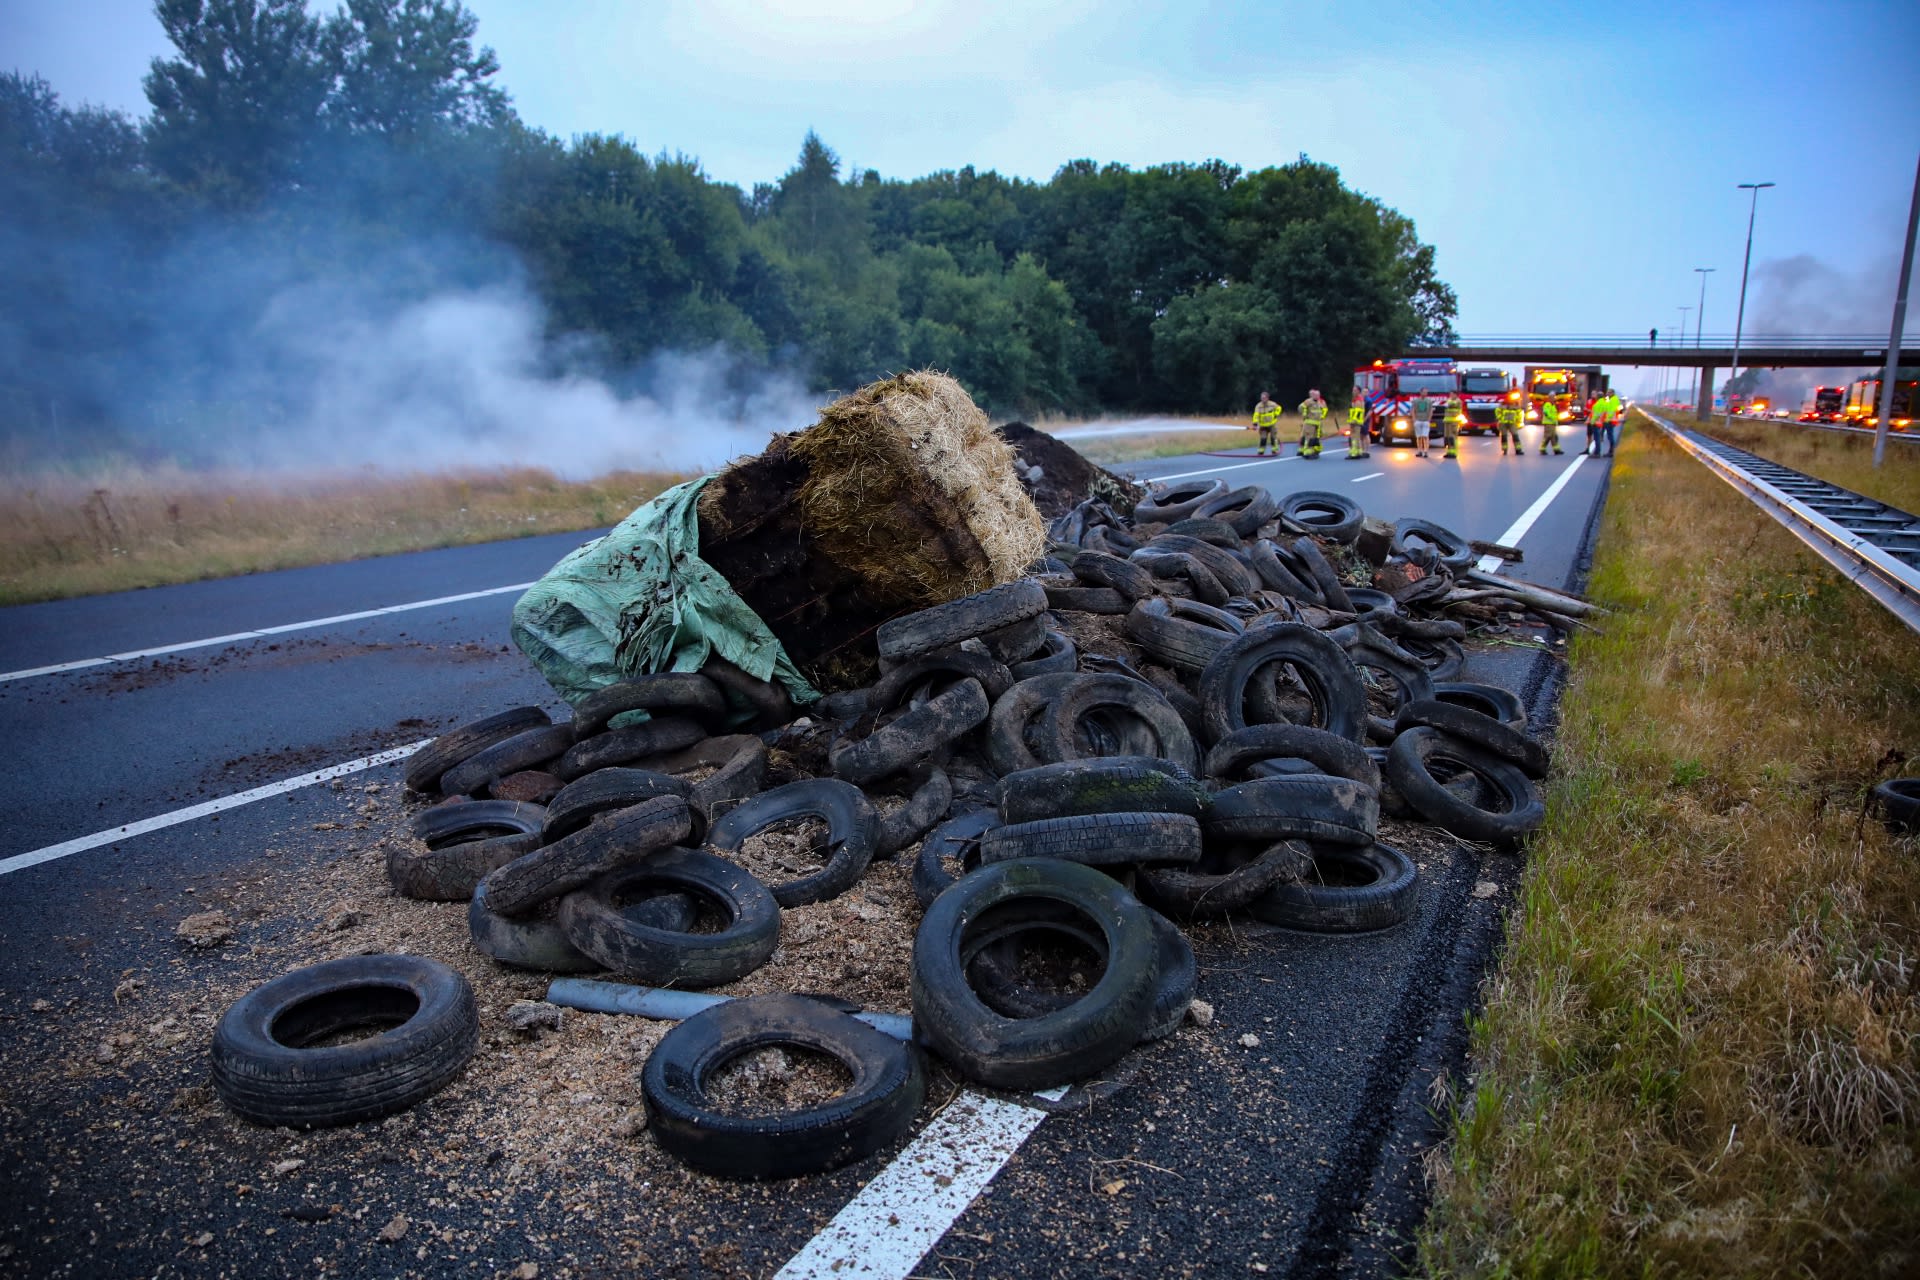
(1705, 407)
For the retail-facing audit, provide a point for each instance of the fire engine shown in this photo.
(1571, 388)
(1863, 403)
(1390, 388)
(1484, 390)
(1826, 404)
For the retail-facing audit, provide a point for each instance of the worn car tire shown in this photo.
(959, 839)
(1230, 757)
(1181, 634)
(874, 1111)
(1376, 889)
(962, 619)
(1034, 1053)
(573, 860)
(1100, 570)
(1488, 699)
(993, 972)
(425, 766)
(1235, 574)
(1329, 515)
(626, 745)
(630, 942)
(916, 735)
(1189, 893)
(462, 843)
(1454, 553)
(1410, 770)
(937, 672)
(1338, 700)
(1129, 708)
(1279, 577)
(1304, 806)
(1176, 501)
(927, 805)
(682, 693)
(1101, 600)
(1896, 803)
(1011, 723)
(534, 941)
(602, 791)
(1306, 553)
(852, 830)
(529, 749)
(1056, 655)
(1243, 510)
(1482, 731)
(1106, 784)
(267, 1067)
(1097, 839)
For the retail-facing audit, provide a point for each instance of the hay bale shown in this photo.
(909, 486)
(900, 497)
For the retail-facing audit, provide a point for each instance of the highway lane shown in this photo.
(1271, 1150)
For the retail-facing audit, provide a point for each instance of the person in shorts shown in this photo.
(1422, 423)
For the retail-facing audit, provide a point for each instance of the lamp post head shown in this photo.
(1755, 186)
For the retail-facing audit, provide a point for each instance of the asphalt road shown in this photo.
(1283, 1139)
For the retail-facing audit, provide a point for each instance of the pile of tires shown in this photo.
(1065, 813)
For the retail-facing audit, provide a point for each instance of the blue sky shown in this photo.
(1572, 163)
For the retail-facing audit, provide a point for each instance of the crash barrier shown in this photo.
(1875, 546)
(1198, 711)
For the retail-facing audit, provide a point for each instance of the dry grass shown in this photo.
(1838, 457)
(1699, 1057)
(1108, 450)
(114, 528)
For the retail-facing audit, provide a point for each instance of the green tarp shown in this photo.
(641, 600)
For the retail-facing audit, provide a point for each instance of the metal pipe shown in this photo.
(1740, 316)
(1899, 325)
(667, 1005)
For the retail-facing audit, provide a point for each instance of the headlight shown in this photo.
(1399, 424)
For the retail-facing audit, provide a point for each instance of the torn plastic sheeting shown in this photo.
(640, 600)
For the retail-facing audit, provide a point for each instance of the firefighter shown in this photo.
(1313, 421)
(1357, 426)
(1455, 411)
(1506, 421)
(1549, 425)
(1610, 428)
(1266, 417)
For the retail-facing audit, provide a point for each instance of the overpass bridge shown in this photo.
(1757, 350)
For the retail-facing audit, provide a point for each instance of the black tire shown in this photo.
(1338, 701)
(913, 737)
(1327, 752)
(1375, 888)
(1102, 600)
(1410, 770)
(265, 1069)
(1308, 806)
(1278, 577)
(1369, 650)
(1011, 722)
(684, 693)
(852, 829)
(1243, 510)
(598, 921)
(993, 972)
(937, 671)
(1182, 634)
(1443, 659)
(1185, 893)
(1133, 708)
(1329, 515)
(573, 860)
(603, 791)
(531, 942)
(1454, 553)
(873, 1112)
(1218, 532)
(1483, 731)
(1034, 1053)
(1176, 501)
(1307, 553)
(961, 619)
(1488, 699)
(766, 703)
(1110, 784)
(463, 843)
(529, 749)
(1019, 641)
(925, 807)
(425, 766)
(957, 838)
(1371, 604)
(1097, 839)
(1175, 565)
(1056, 656)
(740, 776)
(1234, 574)
(626, 745)
(1896, 803)
(1124, 576)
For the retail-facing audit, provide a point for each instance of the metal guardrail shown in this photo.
(1876, 547)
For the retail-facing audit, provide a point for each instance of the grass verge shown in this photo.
(1838, 457)
(114, 529)
(1108, 450)
(1700, 1055)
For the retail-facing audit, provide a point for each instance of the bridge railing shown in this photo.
(1673, 341)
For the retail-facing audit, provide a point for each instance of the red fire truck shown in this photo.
(1484, 390)
(1391, 387)
(1826, 404)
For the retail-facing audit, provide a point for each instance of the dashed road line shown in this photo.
(282, 629)
(1372, 476)
(67, 848)
(1242, 466)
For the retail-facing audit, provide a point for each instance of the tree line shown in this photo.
(288, 150)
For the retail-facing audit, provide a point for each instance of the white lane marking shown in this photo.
(282, 629)
(883, 1232)
(81, 844)
(1518, 530)
(1373, 476)
(1242, 466)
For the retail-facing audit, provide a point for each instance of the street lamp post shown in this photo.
(1740, 316)
(1699, 320)
(1681, 343)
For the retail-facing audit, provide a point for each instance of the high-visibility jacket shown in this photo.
(1357, 412)
(1312, 410)
(1615, 409)
(1549, 413)
(1507, 415)
(1265, 416)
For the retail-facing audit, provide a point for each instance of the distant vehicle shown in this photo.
(1571, 388)
(1759, 407)
(1390, 388)
(1863, 403)
(1826, 404)
(1484, 391)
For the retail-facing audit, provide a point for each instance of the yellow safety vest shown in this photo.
(1267, 417)
(1313, 412)
(1507, 415)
